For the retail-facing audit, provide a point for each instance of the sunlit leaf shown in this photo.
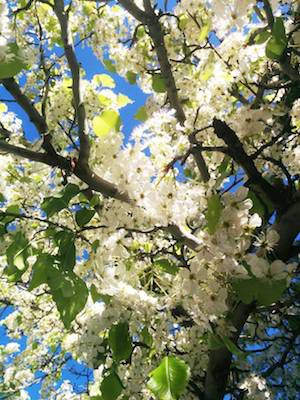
(41, 270)
(104, 80)
(106, 122)
(17, 254)
(3, 108)
(123, 100)
(169, 380)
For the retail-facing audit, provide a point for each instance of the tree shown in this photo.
(166, 262)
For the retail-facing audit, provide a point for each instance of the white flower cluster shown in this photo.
(256, 388)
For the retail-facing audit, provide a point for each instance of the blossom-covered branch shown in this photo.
(62, 15)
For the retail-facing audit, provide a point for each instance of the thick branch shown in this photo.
(220, 360)
(94, 181)
(35, 117)
(135, 11)
(44, 158)
(62, 16)
(238, 154)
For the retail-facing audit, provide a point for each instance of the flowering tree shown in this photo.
(165, 263)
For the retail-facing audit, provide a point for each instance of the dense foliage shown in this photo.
(165, 264)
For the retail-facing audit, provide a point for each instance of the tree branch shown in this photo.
(87, 176)
(62, 16)
(238, 154)
(135, 11)
(151, 20)
(34, 116)
(44, 158)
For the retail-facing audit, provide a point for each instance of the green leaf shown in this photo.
(169, 380)
(111, 387)
(216, 342)
(213, 213)
(224, 170)
(166, 266)
(274, 49)
(262, 290)
(183, 21)
(278, 30)
(14, 63)
(95, 245)
(146, 337)
(106, 122)
(69, 191)
(70, 298)
(120, 342)
(131, 77)
(95, 201)
(41, 270)
(66, 249)
(16, 255)
(52, 205)
(104, 100)
(262, 37)
(104, 80)
(96, 296)
(278, 41)
(110, 66)
(14, 209)
(83, 216)
(141, 114)
(140, 32)
(158, 83)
